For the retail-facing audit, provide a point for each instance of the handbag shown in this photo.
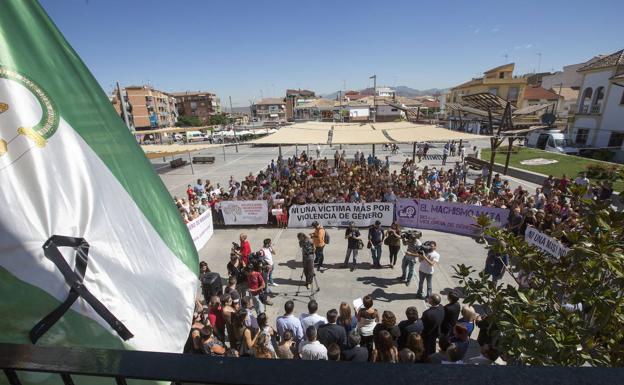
(369, 245)
(360, 244)
(387, 241)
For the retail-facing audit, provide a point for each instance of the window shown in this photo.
(622, 98)
(597, 103)
(501, 75)
(585, 100)
(616, 139)
(513, 93)
(581, 136)
(493, 91)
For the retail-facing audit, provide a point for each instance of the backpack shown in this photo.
(326, 238)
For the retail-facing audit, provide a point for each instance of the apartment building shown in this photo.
(295, 98)
(269, 110)
(146, 106)
(498, 81)
(200, 104)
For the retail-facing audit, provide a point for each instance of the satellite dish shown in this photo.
(549, 118)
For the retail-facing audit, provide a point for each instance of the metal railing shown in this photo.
(122, 365)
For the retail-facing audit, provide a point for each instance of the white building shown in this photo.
(600, 116)
(385, 92)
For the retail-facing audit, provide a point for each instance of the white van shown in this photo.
(195, 136)
(551, 140)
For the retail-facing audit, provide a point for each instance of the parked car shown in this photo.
(195, 136)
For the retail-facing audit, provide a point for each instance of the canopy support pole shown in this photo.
(280, 150)
(223, 152)
(296, 150)
(414, 152)
(308, 149)
(191, 162)
(511, 140)
(373, 150)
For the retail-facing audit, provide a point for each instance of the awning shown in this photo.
(531, 109)
(364, 133)
(430, 133)
(171, 130)
(153, 151)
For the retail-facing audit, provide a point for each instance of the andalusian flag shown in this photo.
(92, 251)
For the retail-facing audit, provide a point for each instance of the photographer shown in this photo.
(318, 239)
(307, 252)
(413, 243)
(245, 248)
(352, 235)
(426, 268)
(256, 288)
(235, 268)
(393, 240)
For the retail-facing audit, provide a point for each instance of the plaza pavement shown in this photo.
(336, 284)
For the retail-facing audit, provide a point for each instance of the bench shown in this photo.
(178, 162)
(204, 159)
(476, 163)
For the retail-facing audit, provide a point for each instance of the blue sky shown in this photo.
(249, 49)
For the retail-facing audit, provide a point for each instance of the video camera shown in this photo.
(236, 246)
(257, 258)
(410, 235)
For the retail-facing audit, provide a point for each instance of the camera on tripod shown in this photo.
(236, 246)
(257, 259)
(411, 236)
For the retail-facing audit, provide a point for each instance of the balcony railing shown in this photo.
(595, 109)
(584, 109)
(120, 365)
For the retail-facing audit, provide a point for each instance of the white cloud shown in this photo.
(523, 46)
(495, 30)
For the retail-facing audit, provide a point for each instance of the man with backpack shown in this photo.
(319, 238)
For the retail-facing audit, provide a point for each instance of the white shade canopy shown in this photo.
(364, 133)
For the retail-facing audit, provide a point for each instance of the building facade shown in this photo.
(599, 118)
(269, 110)
(498, 81)
(199, 104)
(294, 98)
(148, 107)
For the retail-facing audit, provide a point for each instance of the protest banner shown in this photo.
(245, 212)
(544, 242)
(201, 229)
(340, 214)
(450, 217)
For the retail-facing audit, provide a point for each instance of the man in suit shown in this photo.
(451, 313)
(432, 321)
(331, 333)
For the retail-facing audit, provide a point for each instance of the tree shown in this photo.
(189, 121)
(218, 120)
(535, 317)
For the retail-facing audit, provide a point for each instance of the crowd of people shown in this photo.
(228, 326)
(301, 179)
(236, 324)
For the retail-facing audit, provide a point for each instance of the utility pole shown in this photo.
(374, 77)
(124, 109)
(233, 129)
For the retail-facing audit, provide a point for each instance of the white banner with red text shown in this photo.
(450, 217)
(341, 214)
(201, 229)
(245, 212)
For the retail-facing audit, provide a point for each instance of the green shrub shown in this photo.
(602, 171)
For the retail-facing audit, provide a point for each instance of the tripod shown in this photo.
(314, 282)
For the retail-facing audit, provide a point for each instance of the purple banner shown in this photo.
(449, 217)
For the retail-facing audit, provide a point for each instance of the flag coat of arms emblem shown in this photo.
(92, 251)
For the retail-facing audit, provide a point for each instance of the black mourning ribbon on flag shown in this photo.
(77, 289)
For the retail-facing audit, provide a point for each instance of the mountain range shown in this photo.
(400, 91)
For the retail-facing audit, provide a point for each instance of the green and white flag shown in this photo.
(69, 167)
